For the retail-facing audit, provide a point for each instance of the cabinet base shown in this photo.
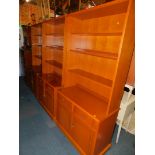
(105, 149)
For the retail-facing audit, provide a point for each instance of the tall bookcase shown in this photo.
(36, 41)
(98, 48)
(52, 60)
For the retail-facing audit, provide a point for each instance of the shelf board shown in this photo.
(99, 34)
(108, 55)
(54, 34)
(54, 63)
(38, 56)
(53, 79)
(93, 77)
(37, 35)
(93, 104)
(106, 9)
(36, 44)
(56, 47)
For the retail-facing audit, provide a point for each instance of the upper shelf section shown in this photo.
(110, 8)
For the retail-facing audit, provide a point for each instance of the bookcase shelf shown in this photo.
(54, 63)
(99, 34)
(38, 56)
(55, 34)
(36, 44)
(53, 79)
(104, 54)
(86, 99)
(117, 7)
(55, 47)
(93, 77)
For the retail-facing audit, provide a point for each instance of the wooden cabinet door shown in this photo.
(81, 133)
(49, 101)
(64, 112)
(81, 129)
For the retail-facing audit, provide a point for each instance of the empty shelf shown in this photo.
(38, 56)
(56, 47)
(91, 76)
(93, 104)
(55, 63)
(53, 79)
(99, 34)
(96, 53)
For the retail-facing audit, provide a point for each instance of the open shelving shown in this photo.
(98, 48)
(83, 59)
(52, 61)
(93, 77)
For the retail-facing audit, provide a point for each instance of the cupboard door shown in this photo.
(49, 95)
(64, 109)
(81, 133)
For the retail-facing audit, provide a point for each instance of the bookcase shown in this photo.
(36, 42)
(52, 60)
(98, 48)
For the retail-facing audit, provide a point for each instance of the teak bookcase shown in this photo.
(82, 65)
(98, 48)
(36, 40)
(52, 59)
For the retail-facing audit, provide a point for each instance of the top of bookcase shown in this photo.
(106, 9)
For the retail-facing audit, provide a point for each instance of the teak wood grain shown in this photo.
(85, 59)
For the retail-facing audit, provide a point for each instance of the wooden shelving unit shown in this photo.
(98, 48)
(52, 61)
(81, 62)
(36, 41)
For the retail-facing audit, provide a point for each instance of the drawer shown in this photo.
(64, 102)
(84, 117)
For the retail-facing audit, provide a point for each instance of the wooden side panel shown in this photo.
(126, 51)
(131, 74)
(104, 134)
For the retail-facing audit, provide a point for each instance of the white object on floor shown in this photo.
(127, 107)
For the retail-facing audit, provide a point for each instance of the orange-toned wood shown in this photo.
(88, 53)
(131, 74)
(49, 99)
(95, 66)
(125, 55)
(63, 115)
